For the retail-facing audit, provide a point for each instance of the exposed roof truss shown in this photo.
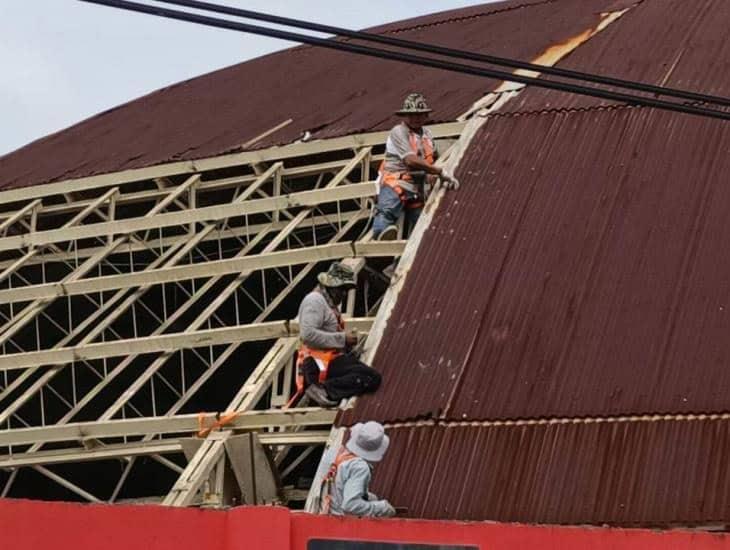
(130, 301)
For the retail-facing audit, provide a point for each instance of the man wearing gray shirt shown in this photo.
(327, 369)
(410, 154)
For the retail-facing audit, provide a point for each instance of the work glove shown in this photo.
(351, 338)
(448, 180)
(386, 509)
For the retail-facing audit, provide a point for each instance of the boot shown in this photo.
(390, 233)
(318, 394)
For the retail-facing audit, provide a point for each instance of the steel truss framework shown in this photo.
(131, 301)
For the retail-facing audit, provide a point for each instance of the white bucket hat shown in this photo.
(368, 441)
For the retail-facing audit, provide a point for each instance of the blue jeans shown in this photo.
(389, 209)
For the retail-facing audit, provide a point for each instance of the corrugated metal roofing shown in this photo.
(581, 271)
(666, 42)
(629, 473)
(325, 92)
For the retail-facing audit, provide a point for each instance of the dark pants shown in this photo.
(347, 376)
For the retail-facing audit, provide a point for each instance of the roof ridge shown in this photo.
(456, 19)
(559, 420)
(466, 17)
(565, 110)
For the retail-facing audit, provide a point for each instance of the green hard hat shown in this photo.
(337, 275)
(414, 103)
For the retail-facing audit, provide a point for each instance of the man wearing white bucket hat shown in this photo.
(345, 488)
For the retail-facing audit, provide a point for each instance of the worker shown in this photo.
(328, 368)
(345, 487)
(410, 154)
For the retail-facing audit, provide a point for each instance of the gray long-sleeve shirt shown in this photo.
(350, 495)
(318, 327)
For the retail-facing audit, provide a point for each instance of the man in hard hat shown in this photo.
(327, 368)
(410, 154)
(345, 490)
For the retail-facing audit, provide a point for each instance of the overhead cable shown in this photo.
(409, 58)
(451, 52)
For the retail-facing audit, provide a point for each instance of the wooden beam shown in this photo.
(161, 343)
(171, 219)
(208, 186)
(213, 163)
(166, 242)
(81, 454)
(201, 270)
(185, 423)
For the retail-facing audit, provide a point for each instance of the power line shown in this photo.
(409, 58)
(451, 52)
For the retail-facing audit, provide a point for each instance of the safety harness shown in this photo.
(328, 482)
(395, 179)
(322, 357)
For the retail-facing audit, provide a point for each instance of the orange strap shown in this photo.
(325, 491)
(220, 421)
(391, 179)
(427, 146)
(325, 356)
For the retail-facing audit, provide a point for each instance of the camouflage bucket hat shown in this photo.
(414, 103)
(337, 275)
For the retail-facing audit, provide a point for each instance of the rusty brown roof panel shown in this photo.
(581, 270)
(671, 43)
(627, 473)
(325, 92)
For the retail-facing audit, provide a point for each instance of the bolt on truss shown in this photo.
(130, 301)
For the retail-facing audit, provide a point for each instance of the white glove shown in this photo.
(448, 180)
(387, 510)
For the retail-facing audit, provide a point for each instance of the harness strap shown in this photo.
(393, 179)
(220, 421)
(322, 358)
(328, 482)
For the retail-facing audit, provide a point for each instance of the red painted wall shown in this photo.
(26, 524)
(498, 536)
(60, 526)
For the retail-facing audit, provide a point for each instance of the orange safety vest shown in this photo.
(323, 358)
(328, 482)
(391, 179)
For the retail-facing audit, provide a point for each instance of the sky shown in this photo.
(62, 61)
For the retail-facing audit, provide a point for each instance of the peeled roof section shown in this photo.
(324, 92)
(559, 350)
